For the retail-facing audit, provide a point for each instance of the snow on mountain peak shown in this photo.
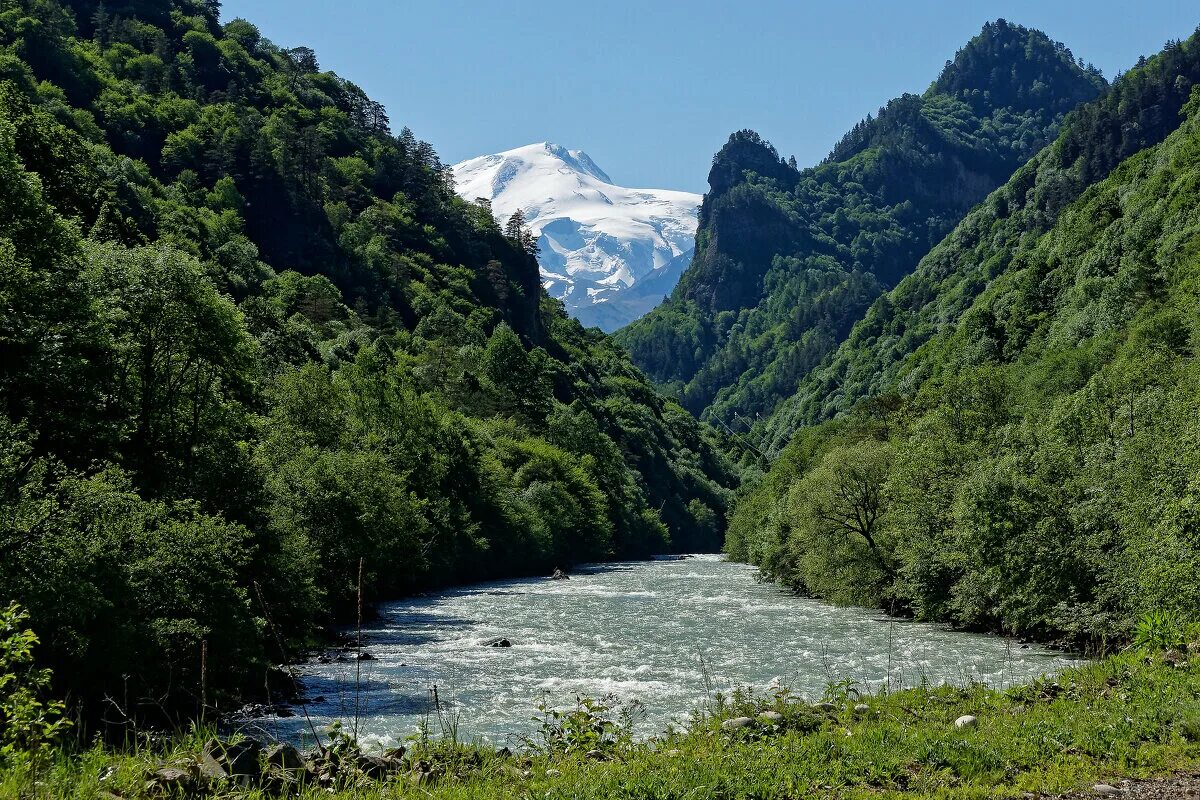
(608, 252)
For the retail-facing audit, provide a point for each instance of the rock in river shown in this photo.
(499, 641)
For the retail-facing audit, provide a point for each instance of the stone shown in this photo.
(242, 758)
(774, 717)
(826, 707)
(172, 777)
(285, 756)
(553, 773)
(209, 763)
(862, 708)
(674, 753)
(363, 655)
(559, 575)
(595, 755)
(966, 721)
(736, 723)
(499, 641)
(1106, 790)
(375, 767)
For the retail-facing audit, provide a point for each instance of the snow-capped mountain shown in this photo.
(608, 252)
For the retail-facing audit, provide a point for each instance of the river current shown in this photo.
(666, 633)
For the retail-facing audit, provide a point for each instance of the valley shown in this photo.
(330, 468)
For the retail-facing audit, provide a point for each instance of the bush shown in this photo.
(29, 724)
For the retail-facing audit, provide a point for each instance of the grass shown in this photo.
(1130, 715)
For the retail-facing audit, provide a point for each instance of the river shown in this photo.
(667, 633)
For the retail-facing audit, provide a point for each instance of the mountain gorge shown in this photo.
(787, 259)
(609, 253)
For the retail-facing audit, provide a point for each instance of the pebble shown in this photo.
(862, 708)
(773, 717)
(552, 773)
(1106, 789)
(965, 721)
(736, 722)
(826, 707)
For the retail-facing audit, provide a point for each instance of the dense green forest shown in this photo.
(787, 260)
(249, 336)
(1009, 438)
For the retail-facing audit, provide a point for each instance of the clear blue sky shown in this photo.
(652, 89)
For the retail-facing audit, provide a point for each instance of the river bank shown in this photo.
(1131, 716)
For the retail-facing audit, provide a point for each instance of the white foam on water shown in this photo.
(666, 633)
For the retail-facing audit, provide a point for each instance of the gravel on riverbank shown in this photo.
(1176, 787)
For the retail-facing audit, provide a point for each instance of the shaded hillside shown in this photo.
(787, 260)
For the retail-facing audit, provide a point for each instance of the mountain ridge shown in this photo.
(1023, 403)
(788, 259)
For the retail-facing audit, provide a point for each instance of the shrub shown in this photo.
(28, 723)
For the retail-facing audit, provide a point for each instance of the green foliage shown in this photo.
(593, 728)
(787, 261)
(29, 725)
(1159, 631)
(248, 337)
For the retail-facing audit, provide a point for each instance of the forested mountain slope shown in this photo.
(787, 260)
(249, 337)
(1141, 110)
(1026, 455)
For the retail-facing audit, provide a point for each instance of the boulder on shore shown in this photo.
(284, 756)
